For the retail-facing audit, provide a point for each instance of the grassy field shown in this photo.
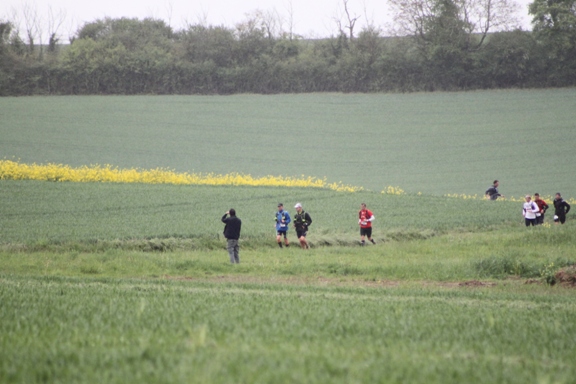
(124, 331)
(45, 211)
(453, 257)
(131, 283)
(434, 143)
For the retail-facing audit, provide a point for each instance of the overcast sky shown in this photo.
(311, 18)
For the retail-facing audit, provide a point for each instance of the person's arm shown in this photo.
(371, 216)
(287, 218)
(544, 207)
(307, 219)
(567, 207)
(224, 217)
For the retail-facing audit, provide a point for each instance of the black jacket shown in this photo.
(302, 221)
(561, 207)
(232, 228)
(493, 193)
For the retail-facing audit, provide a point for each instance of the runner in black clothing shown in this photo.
(301, 222)
(561, 208)
(492, 192)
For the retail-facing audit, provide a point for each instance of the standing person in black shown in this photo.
(492, 192)
(232, 234)
(301, 222)
(561, 208)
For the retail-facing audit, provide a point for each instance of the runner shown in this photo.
(365, 218)
(282, 221)
(302, 221)
(543, 207)
(561, 208)
(492, 192)
(529, 210)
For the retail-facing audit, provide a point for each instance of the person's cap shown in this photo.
(280, 204)
(298, 205)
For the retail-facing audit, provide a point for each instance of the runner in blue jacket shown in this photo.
(282, 221)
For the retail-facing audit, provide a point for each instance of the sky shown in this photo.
(311, 18)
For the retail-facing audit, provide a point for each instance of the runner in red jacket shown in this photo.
(542, 206)
(365, 218)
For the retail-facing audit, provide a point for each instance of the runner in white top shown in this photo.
(529, 211)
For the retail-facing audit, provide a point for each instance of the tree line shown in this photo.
(440, 45)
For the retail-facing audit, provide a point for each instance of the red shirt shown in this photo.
(366, 214)
(541, 204)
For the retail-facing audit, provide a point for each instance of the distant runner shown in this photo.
(542, 206)
(302, 221)
(365, 218)
(492, 192)
(529, 210)
(282, 221)
(561, 208)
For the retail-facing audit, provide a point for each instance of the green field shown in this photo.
(434, 143)
(36, 210)
(131, 283)
(118, 331)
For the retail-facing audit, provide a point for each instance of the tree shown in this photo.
(55, 21)
(5, 32)
(555, 21)
(132, 33)
(449, 33)
(254, 40)
(509, 60)
(554, 17)
(554, 24)
(350, 21)
(203, 44)
(437, 20)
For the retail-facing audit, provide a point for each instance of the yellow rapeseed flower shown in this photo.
(390, 190)
(13, 170)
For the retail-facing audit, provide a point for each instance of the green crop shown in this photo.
(434, 143)
(47, 212)
(124, 331)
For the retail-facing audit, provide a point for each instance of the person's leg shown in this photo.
(369, 235)
(562, 219)
(237, 252)
(286, 242)
(279, 238)
(303, 242)
(527, 222)
(231, 250)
